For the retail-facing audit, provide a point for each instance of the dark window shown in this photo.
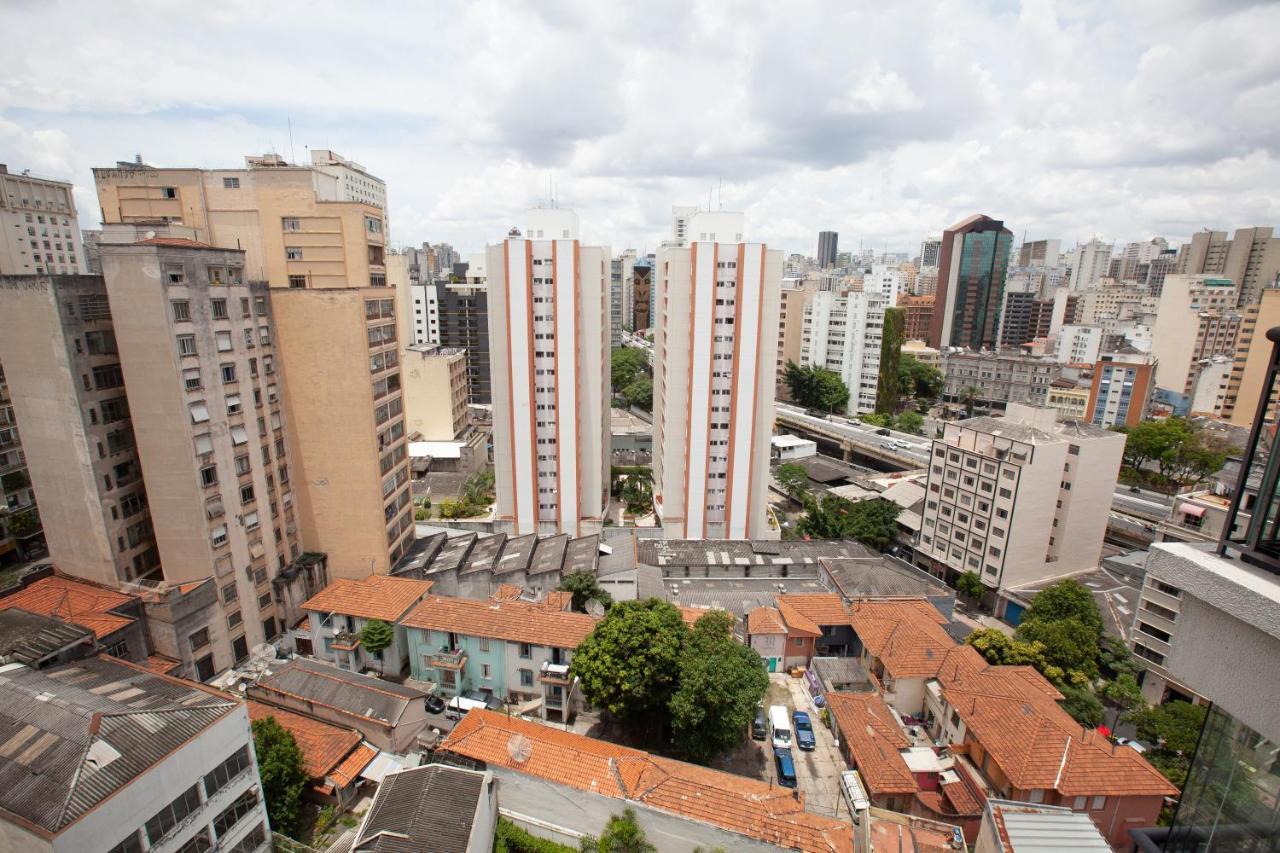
(244, 804)
(173, 814)
(239, 648)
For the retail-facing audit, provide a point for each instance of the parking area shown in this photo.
(817, 771)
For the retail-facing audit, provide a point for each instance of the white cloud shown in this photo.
(1124, 120)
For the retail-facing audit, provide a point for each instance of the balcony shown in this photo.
(555, 673)
(345, 641)
(448, 659)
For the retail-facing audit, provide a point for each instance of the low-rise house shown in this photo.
(332, 756)
(781, 642)
(338, 613)
(903, 644)
(390, 716)
(1011, 827)
(102, 754)
(115, 618)
(433, 807)
(686, 806)
(517, 651)
(829, 613)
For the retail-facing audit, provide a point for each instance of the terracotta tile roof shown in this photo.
(1011, 711)
(733, 803)
(324, 746)
(349, 770)
(516, 621)
(691, 615)
(961, 799)
(375, 597)
(907, 636)
(558, 600)
(868, 727)
(162, 664)
(507, 592)
(824, 608)
(73, 600)
(765, 620)
(797, 622)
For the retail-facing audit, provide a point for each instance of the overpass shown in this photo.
(855, 442)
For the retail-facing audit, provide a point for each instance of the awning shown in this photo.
(1191, 510)
(379, 767)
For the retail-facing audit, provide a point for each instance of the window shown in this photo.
(242, 464)
(131, 844)
(244, 804)
(291, 223)
(219, 307)
(181, 310)
(233, 620)
(297, 281)
(250, 521)
(204, 444)
(228, 372)
(231, 183)
(1005, 493)
(484, 644)
(198, 843)
(186, 344)
(218, 536)
(233, 404)
(239, 435)
(209, 476)
(199, 413)
(526, 651)
(1079, 803)
(1098, 803)
(484, 671)
(175, 273)
(526, 678)
(293, 253)
(246, 493)
(174, 813)
(224, 341)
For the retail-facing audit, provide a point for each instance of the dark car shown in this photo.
(434, 703)
(786, 767)
(804, 731)
(759, 728)
(883, 431)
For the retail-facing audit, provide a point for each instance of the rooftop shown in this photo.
(29, 639)
(324, 746)
(882, 576)
(73, 600)
(375, 597)
(514, 621)
(737, 804)
(71, 737)
(429, 807)
(360, 697)
(1026, 828)
(907, 636)
(742, 552)
(874, 737)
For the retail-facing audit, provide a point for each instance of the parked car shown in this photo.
(434, 703)
(883, 431)
(759, 726)
(786, 767)
(900, 444)
(1138, 746)
(804, 731)
(781, 726)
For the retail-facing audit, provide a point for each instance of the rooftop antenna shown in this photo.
(709, 191)
(292, 154)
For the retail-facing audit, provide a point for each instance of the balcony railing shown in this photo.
(554, 673)
(449, 658)
(345, 641)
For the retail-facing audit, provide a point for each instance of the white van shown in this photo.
(780, 722)
(459, 706)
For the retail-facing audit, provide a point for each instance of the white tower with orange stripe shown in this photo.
(549, 353)
(715, 342)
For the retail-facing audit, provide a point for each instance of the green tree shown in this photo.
(1192, 460)
(1083, 706)
(625, 364)
(877, 420)
(969, 396)
(889, 381)
(920, 382)
(1124, 694)
(281, 769)
(375, 637)
(911, 422)
(970, 585)
(793, 479)
(22, 523)
(999, 648)
(509, 838)
(1066, 599)
(621, 835)
(630, 662)
(721, 683)
(816, 387)
(584, 586)
(871, 522)
(1150, 441)
(1171, 731)
(1070, 649)
(478, 489)
(639, 393)
(1116, 660)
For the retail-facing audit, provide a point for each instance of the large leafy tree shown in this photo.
(999, 648)
(721, 682)
(375, 637)
(585, 587)
(639, 393)
(621, 835)
(871, 522)
(1083, 706)
(625, 365)
(920, 382)
(281, 770)
(912, 422)
(816, 387)
(1065, 620)
(969, 584)
(629, 664)
(889, 381)
(1066, 599)
(793, 479)
(1172, 731)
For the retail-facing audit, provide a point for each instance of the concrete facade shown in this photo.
(435, 391)
(842, 332)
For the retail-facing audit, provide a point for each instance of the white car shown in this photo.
(1132, 744)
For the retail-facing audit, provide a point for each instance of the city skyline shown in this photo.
(1080, 124)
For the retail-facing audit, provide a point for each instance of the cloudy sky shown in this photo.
(1118, 119)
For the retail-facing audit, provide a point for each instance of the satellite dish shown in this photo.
(263, 652)
(594, 608)
(519, 748)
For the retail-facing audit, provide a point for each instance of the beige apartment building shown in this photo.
(1195, 320)
(1250, 259)
(715, 370)
(317, 235)
(1249, 365)
(794, 296)
(549, 339)
(1018, 499)
(435, 391)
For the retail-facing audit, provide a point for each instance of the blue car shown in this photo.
(804, 731)
(786, 767)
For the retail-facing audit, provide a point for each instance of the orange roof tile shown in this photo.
(162, 664)
(349, 770)
(73, 600)
(375, 597)
(691, 614)
(824, 608)
(797, 622)
(765, 620)
(516, 621)
(558, 600)
(733, 803)
(1011, 711)
(324, 746)
(507, 592)
(874, 737)
(906, 635)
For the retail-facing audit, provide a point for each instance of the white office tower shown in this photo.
(715, 344)
(930, 248)
(885, 280)
(842, 332)
(1090, 263)
(549, 339)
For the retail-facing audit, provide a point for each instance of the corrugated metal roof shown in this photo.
(1051, 832)
(431, 807)
(72, 736)
(352, 693)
